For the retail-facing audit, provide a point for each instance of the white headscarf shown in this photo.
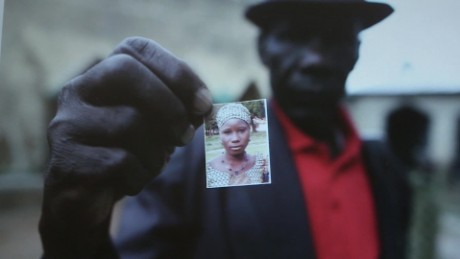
(232, 111)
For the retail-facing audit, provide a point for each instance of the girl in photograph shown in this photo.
(235, 166)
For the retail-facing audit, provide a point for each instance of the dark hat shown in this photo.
(269, 11)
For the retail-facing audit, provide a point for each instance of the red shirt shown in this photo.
(337, 194)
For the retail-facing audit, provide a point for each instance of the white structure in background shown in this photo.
(369, 111)
(415, 49)
(260, 124)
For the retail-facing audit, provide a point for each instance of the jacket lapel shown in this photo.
(274, 212)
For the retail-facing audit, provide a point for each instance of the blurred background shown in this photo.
(412, 59)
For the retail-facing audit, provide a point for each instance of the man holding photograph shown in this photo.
(332, 196)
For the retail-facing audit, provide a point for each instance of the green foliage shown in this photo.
(256, 108)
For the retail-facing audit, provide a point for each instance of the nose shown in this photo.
(234, 138)
(312, 53)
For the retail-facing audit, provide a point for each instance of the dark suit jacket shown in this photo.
(177, 217)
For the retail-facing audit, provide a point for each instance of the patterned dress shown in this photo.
(257, 174)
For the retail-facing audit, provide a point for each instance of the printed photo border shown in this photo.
(235, 157)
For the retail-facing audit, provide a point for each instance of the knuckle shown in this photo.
(58, 131)
(102, 161)
(68, 94)
(116, 160)
(136, 43)
(60, 172)
(88, 166)
(182, 72)
(116, 163)
(111, 79)
(121, 119)
(139, 47)
(117, 66)
(64, 94)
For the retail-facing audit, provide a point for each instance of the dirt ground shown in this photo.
(20, 212)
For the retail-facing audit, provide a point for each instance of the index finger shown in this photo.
(175, 73)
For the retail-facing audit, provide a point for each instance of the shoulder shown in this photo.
(215, 162)
(374, 148)
(215, 177)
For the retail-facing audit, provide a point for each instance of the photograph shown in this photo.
(237, 148)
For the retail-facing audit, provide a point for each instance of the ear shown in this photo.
(357, 47)
(358, 29)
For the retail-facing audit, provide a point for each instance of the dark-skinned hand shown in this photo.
(115, 128)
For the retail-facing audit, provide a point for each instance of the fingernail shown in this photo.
(202, 102)
(188, 135)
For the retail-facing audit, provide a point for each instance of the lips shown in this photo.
(236, 148)
(319, 71)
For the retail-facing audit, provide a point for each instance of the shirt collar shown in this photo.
(298, 141)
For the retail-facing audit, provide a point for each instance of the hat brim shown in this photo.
(367, 13)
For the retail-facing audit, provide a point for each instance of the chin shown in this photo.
(309, 103)
(235, 153)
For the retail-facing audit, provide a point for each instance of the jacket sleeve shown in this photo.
(392, 195)
(162, 221)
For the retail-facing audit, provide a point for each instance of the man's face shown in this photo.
(309, 64)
